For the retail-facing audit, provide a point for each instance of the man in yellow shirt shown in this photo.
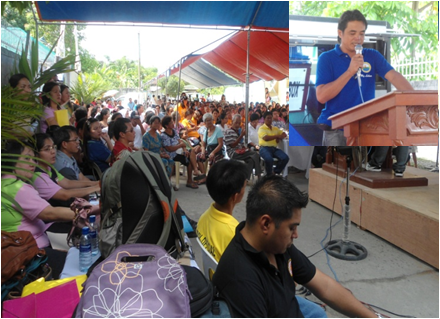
(268, 137)
(226, 184)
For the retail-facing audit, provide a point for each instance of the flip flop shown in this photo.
(202, 183)
(193, 186)
(199, 177)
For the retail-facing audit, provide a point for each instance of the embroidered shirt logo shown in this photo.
(366, 68)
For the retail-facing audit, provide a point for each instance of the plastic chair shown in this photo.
(209, 263)
(177, 170)
(96, 171)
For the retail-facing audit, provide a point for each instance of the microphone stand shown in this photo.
(343, 248)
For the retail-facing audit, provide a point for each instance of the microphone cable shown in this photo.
(362, 97)
(359, 49)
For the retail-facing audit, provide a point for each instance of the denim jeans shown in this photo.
(310, 309)
(268, 153)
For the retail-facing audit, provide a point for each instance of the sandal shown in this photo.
(199, 177)
(202, 182)
(193, 186)
(175, 188)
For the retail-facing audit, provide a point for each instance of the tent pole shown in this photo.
(36, 36)
(139, 67)
(180, 76)
(247, 75)
(178, 94)
(247, 88)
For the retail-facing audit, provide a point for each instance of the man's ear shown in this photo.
(340, 33)
(266, 223)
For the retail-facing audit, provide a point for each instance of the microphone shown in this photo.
(358, 48)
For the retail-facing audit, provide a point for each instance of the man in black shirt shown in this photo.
(259, 268)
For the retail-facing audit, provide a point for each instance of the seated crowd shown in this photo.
(60, 162)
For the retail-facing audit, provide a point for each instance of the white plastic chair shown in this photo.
(209, 263)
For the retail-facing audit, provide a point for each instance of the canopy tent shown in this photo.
(206, 13)
(244, 14)
(203, 75)
(199, 73)
(268, 53)
(267, 61)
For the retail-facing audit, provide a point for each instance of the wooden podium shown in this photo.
(399, 118)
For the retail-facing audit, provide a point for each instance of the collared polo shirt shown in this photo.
(67, 166)
(264, 130)
(256, 289)
(118, 150)
(332, 64)
(24, 217)
(215, 230)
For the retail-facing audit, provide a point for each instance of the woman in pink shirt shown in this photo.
(51, 100)
(22, 206)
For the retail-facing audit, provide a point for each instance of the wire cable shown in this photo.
(362, 97)
(331, 217)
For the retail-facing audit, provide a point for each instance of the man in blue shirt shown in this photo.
(337, 83)
(130, 104)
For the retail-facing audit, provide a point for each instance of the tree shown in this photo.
(88, 61)
(89, 86)
(19, 14)
(214, 91)
(414, 17)
(172, 86)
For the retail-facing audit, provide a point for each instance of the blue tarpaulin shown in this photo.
(271, 14)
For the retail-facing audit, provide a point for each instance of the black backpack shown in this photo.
(138, 205)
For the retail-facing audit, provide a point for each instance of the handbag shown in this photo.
(34, 270)
(136, 280)
(18, 249)
(83, 209)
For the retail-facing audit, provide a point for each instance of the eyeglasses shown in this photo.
(75, 140)
(49, 148)
(129, 131)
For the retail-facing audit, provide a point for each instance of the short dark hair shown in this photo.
(115, 115)
(166, 120)
(274, 196)
(266, 114)
(223, 115)
(348, 16)
(63, 135)
(120, 126)
(254, 117)
(225, 179)
(80, 113)
(13, 81)
(9, 161)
